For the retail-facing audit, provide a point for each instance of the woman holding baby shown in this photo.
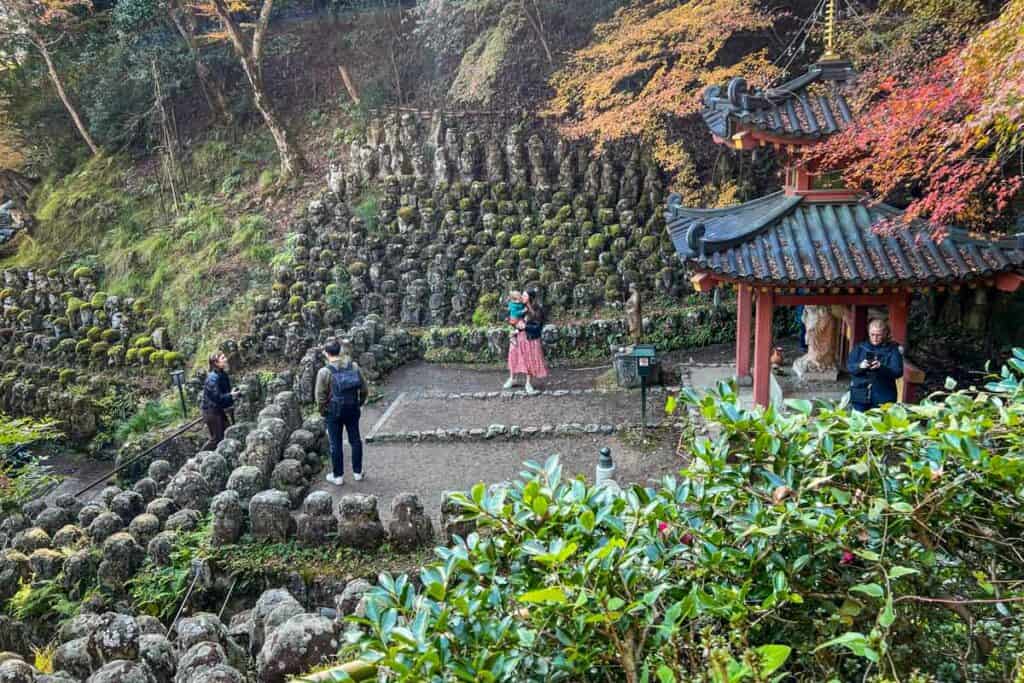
(525, 355)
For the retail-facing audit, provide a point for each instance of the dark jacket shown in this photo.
(875, 387)
(217, 392)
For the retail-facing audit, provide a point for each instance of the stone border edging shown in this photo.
(549, 393)
(505, 432)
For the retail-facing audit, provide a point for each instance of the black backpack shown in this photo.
(345, 385)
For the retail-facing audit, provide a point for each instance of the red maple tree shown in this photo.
(949, 139)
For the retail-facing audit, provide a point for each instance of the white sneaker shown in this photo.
(530, 390)
(358, 476)
(509, 383)
(337, 481)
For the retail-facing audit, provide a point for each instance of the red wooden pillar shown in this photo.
(763, 346)
(898, 319)
(743, 310)
(898, 329)
(858, 325)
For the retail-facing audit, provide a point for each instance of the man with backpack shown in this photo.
(340, 392)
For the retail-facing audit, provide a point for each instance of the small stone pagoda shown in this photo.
(816, 242)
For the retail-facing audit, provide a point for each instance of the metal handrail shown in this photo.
(144, 453)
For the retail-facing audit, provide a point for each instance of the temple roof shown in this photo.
(787, 241)
(808, 107)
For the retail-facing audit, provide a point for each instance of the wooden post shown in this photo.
(898, 330)
(743, 311)
(763, 346)
(898, 319)
(859, 325)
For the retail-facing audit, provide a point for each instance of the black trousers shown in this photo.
(349, 420)
(216, 422)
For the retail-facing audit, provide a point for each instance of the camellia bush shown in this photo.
(812, 544)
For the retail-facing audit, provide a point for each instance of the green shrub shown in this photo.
(142, 340)
(487, 310)
(66, 346)
(66, 377)
(82, 272)
(110, 335)
(407, 214)
(99, 349)
(82, 347)
(267, 179)
(367, 210)
(98, 300)
(595, 243)
(94, 333)
(813, 544)
(156, 589)
(357, 268)
(116, 351)
(131, 355)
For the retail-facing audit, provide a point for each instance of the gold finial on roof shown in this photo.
(830, 34)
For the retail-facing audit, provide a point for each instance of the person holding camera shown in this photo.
(340, 392)
(218, 398)
(874, 367)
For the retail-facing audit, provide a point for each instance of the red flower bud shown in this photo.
(687, 539)
(847, 557)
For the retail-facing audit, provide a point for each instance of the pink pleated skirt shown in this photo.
(526, 356)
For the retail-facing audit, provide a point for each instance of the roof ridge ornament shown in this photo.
(830, 35)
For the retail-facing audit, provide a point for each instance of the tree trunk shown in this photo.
(538, 27)
(350, 85)
(291, 158)
(55, 77)
(214, 94)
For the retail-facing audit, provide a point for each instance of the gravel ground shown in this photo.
(420, 414)
(429, 469)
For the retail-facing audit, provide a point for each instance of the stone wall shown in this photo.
(256, 482)
(693, 327)
(467, 208)
(57, 331)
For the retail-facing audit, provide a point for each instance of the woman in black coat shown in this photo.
(218, 398)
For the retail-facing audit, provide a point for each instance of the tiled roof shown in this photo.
(790, 109)
(784, 240)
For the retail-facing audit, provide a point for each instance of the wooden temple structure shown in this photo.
(816, 242)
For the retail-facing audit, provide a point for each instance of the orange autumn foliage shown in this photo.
(652, 61)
